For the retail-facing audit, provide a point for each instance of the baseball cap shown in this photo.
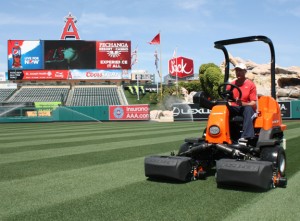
(241, 66)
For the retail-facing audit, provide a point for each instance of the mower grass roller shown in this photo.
(260, 163)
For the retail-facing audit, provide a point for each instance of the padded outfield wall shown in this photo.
(73, 114)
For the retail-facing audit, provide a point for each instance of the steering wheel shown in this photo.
(227, 94)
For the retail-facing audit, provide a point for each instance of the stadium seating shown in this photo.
(6, 93)
(77, 95)
(41, 94)
(95, 96)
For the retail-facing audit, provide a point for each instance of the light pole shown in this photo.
(137, 84)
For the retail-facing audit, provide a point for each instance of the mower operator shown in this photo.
(246, 106)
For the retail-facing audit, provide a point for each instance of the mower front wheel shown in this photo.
(184, 147)
(276, 155)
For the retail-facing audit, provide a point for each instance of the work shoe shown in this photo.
(243, 141)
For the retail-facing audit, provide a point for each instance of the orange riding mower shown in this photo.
(259, 163)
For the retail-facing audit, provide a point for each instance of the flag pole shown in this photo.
(176, 72)
(160, 69)
(156, 41)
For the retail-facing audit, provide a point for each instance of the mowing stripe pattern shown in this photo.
(95, 171)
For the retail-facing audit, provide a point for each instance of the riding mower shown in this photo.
(259, 163)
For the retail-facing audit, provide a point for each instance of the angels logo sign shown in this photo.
(70, 29)
(113, 55)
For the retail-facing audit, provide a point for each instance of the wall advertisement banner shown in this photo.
(113, 55)
(47, 105)
(98, 74)
(295, 109)
(25, 55)
(38, 75)
(192, 112)
(15, 75)
(129, 112)
(189, 112)
(45, 75)
(285, 109)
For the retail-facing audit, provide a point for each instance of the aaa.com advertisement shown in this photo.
(129, 112)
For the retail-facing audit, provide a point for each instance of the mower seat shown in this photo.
(237, 119)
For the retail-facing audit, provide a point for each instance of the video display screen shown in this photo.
(69, 54)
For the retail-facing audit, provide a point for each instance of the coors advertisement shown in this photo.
(113, 55)
(181, 66)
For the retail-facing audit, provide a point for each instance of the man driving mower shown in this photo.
(259, 162)
(246, 105)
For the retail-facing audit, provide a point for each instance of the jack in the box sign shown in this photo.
(182, 66)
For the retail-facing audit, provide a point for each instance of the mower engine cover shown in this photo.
(245, 173)
(170, 167)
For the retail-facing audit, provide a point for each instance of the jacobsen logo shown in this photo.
(162, 161)
(240, 166)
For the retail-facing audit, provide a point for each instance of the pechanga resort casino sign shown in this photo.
(113, 55)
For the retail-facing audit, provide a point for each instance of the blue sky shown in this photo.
(191, 26)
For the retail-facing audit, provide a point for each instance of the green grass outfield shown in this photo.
(95, 171)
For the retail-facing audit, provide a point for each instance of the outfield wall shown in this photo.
(181, 112)
(63, 113)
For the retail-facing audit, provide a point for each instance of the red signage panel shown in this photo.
(45, 74)
(113, 55)
(129, 112)
(38, 75)
(181, 66)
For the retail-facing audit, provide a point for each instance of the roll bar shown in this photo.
(221, 45)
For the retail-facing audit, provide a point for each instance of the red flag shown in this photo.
(155, 40)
